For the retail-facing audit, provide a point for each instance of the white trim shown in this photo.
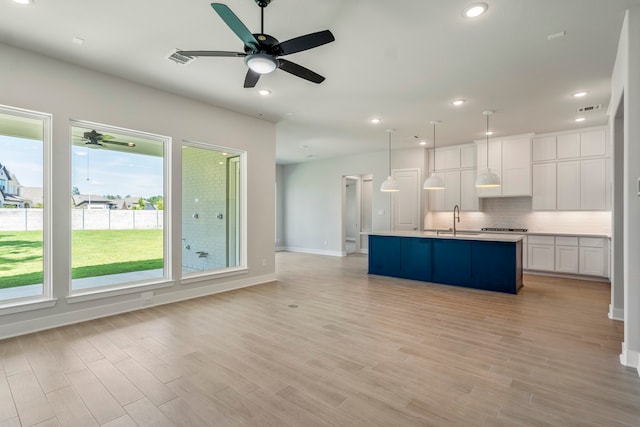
(27, 305)
(616, 313)
(83, 315)
(212, 274)
(281, 248)
(630, 358)
(312, 251)
(566, 275)
(122, 289)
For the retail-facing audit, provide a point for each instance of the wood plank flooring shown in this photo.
(329, 345)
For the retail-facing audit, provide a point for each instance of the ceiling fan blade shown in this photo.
(251, 79)
(236, 25)
(305, 42)
(122, 143)
(300, 71)
(195, 53)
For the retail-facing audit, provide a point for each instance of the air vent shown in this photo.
(179, 58)
(589, 108)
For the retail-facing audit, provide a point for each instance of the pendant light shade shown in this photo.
(389, 185)
(435, 181)
(487, 179)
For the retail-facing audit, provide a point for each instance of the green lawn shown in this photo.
(95, 253)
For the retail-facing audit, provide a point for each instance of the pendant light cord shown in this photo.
(487, 134)
(389, 153)
(434, 148)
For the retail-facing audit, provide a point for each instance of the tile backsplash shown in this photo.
(515, 212)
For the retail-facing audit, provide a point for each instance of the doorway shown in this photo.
(356, 213)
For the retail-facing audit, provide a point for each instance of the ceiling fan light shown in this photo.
(261, 63)
(389, 185)
(434, 182)
(488, 179)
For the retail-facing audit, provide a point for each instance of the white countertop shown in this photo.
(532, 233)
(460, 235)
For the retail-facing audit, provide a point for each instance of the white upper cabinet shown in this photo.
(543, 148)
(593, 143)
(568, 146)
(544, 187)
(447, 158)
(468, 156)
(510, 159)
(568, 185)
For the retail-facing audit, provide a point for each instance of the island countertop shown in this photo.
(460, 235)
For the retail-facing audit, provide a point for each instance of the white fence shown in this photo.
(84, 219)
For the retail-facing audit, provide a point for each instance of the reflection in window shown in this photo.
(22, 213)
(211, 209)
(118, 207)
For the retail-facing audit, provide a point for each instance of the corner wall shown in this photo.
(625, 85)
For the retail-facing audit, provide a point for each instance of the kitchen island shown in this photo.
(482, 261)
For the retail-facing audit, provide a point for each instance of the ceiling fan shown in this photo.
(262, 51)
(94, 139)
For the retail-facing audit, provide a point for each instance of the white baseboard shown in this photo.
(630, 358)
(565, 275)
(313, 251)
(281, 248)
(76, 316)
(616, 313)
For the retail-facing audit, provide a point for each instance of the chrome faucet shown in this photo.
(456, 208)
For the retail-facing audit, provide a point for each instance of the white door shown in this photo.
(405, 203)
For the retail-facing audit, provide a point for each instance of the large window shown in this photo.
(117, 207)
(24, 137)
(212, 209)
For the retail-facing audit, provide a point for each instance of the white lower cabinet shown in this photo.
(566, 254)
(592, 257)
(541, 253)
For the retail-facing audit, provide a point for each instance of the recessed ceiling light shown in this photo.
(458, 102)
(23, 1)
(580, 94)
(78, 41)
(264, 92)
(474, 10)
(580, 119)
(375, 120)
(489, 132)
(423, 143)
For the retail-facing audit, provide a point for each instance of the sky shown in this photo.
(95, 171)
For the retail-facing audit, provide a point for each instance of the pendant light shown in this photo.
(435, 181)
(488, 179)
(390, 184)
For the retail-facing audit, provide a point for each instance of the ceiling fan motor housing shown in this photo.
(263, 3)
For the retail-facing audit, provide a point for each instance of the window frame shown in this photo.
(241, 268)
(46, 299)
(134, 286)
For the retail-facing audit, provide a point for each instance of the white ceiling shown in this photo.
(403, 61)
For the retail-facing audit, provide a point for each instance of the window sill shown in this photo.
(22, 306)
(209, 275)
(122, 290)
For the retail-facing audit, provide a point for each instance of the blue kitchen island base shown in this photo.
(493, 264)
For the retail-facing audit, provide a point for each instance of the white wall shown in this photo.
(68, 92)
(312, 209)
(626, 75)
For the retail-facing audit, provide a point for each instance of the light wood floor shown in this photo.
(329, 345)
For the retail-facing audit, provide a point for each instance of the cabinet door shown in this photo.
(468, 198)
(543, 148)
(541, 257)
(415, 254)
(568, 146)
(516, 167)
(567, 259)
(384, 255)
(593, 184)
(447, 158)
(468, 156)
(593, 143)
(568, 185)
(544, 187)
(445, 200)
(592, 261)
(495, 163)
